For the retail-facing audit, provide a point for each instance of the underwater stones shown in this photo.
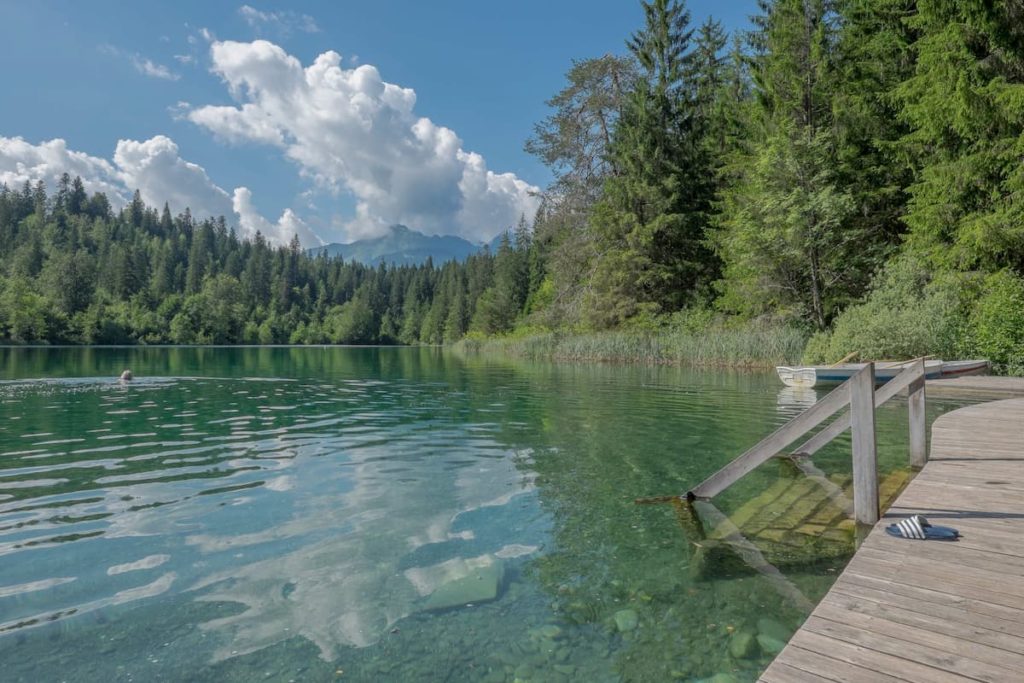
(743, 644)
(771, 646)
(773, 629)
(483, 584)
(580, 612)
(772, 635)
(722, 678)
(626, 620)
(548, 632)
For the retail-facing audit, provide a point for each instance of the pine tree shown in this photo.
(965, 107)
(786, 237)
(652, 252)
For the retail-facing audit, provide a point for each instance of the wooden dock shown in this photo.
(932, 611)
(981, 387)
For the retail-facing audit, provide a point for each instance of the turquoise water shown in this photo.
(365, 514)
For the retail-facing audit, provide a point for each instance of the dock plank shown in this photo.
(931, 611)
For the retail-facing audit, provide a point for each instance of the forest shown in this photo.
(843, 172)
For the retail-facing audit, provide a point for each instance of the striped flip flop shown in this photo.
(919, 528)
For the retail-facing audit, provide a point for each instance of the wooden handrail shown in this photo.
(858, 393)
(910, 374)
(771, 445)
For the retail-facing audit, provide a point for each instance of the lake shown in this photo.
(385, 514)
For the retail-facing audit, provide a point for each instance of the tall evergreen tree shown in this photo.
(652, 252)
(786, 237)
(965, 106)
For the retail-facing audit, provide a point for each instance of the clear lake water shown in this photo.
(384, 514)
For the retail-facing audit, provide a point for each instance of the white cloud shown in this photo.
(143, 65)
(21, 161)
(284, 22)
(150, 68)
(287, 226)
(155, 168)
(161, 175)
(347, 129)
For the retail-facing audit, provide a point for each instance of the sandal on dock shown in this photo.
(918, 528)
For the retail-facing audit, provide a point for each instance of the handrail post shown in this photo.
(865, 454)
(918, 426)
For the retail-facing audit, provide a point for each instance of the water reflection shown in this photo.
(795, 400)
(284, 513)
(350, 587)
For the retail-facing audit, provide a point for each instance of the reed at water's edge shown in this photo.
(752, 346)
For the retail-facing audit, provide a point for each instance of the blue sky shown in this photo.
(97, 73)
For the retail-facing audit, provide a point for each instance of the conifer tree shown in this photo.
(785, 237)
(652, 253)
(965, 106)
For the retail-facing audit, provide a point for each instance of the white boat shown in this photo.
(819, 375)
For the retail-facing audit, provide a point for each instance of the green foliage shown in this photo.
(911, 312)
(649, 224)
(71, 271)
(24, 314)
(965, 108)
(996, 327)
(574, 139)
(785, 240)
(798, 233)
(848, 166)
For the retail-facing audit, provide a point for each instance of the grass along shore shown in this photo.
(750, 346)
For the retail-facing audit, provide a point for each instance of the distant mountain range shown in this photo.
(403, 246)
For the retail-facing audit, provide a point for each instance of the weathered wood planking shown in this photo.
(865, 451)
(927, 611)
(978, 386)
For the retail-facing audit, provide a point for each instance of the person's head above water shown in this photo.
(127, 375)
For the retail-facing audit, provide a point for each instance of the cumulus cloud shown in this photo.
(161, 175)
(22, 161)
(155, 168)
(287, 226)
(285, 22)
(348, 129)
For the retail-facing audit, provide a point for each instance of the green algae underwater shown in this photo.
(391, 514)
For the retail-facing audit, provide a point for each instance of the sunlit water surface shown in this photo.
(295, 514)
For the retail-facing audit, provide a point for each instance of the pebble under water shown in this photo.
(402, 514)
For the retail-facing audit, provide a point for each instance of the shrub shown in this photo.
(997, 323)
(909, 313)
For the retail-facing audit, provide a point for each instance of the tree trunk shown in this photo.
(816, 303)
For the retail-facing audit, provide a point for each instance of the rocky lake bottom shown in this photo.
(286, 514)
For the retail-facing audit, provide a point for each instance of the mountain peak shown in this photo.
(403, 246)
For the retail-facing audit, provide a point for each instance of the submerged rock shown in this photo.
(547, 632)
(743, 644)
(483, 584)
(774, 629)
(771, 646)
(723, 678)
(626, 620)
